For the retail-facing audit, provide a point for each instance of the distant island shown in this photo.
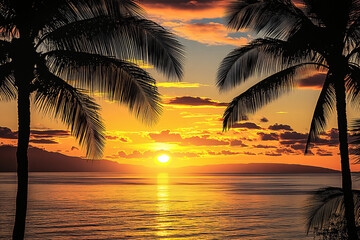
(43, 161)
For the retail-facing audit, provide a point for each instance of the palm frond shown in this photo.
(124, 38)
(266, 17)
(8, 90)
(352, 84)
(324, 107)
(118, 80)
(260, 57)
(355, 139)
(75, 109)
(325, 204)
(260, 94)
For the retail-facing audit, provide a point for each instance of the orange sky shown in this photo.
(189, 130)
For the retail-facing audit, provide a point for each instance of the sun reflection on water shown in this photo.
(163, 207)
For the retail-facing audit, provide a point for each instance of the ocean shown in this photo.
(163, 206)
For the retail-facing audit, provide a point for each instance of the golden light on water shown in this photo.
(163, 158)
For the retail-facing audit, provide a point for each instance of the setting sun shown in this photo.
(163, 158)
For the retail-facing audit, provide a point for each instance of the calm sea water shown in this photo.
(115, 206)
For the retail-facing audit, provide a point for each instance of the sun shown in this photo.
(163, 158)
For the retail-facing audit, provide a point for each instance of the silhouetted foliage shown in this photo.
(296, 41)
(51, 51)
(325, 213)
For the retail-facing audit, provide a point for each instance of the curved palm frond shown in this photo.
(355, 139)
(260, 57)
(260, 94)
(124, 38)
(8, 90)
(324, 107)
(352, 84)
(265, 17)
(47, 16)
(326, 203)
(121, 80)
(75, 109)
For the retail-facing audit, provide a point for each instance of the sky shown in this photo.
(190, 127)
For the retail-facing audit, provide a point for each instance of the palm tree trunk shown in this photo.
(22, 161)
(344, 153)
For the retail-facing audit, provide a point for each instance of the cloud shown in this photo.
(180, 85)
(49, 133)
(264, 120)
(227, 153)
(43, 141)
(277, 127)
(184, 10)
(263, 146)
(121, 139)
(166, 136)
(293, 136)
(203, 141)
(7, 133)
(315, 81)
(298, 147)
(273, 154)
(268, 136)
(236, 142)
(152, 154)
(322, 152)
(248, 125)
(208, 33)
(195, 101)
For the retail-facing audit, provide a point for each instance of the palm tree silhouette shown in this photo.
(52, 50)
(325, 212)
(319, 35)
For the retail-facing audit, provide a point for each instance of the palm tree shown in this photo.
(319, 35)
(326, 214)
(51, 50)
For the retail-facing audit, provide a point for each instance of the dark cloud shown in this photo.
(268, 136)
(293, 136)
(264, 120)
(273, 154)
(7, 133)
(322, 152)
(195, 101)
(248, 125)
(43, 141)
(121, 139)
(152, 154)
(166, 136)
(263, 146)
(227, 152)
(203, 141)
(236, 142)
(49, 133)
(333, 134)
(289, 142)
(182, 4)
(316, 81)
(277, 127)
(249, 153)
(298, 147)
